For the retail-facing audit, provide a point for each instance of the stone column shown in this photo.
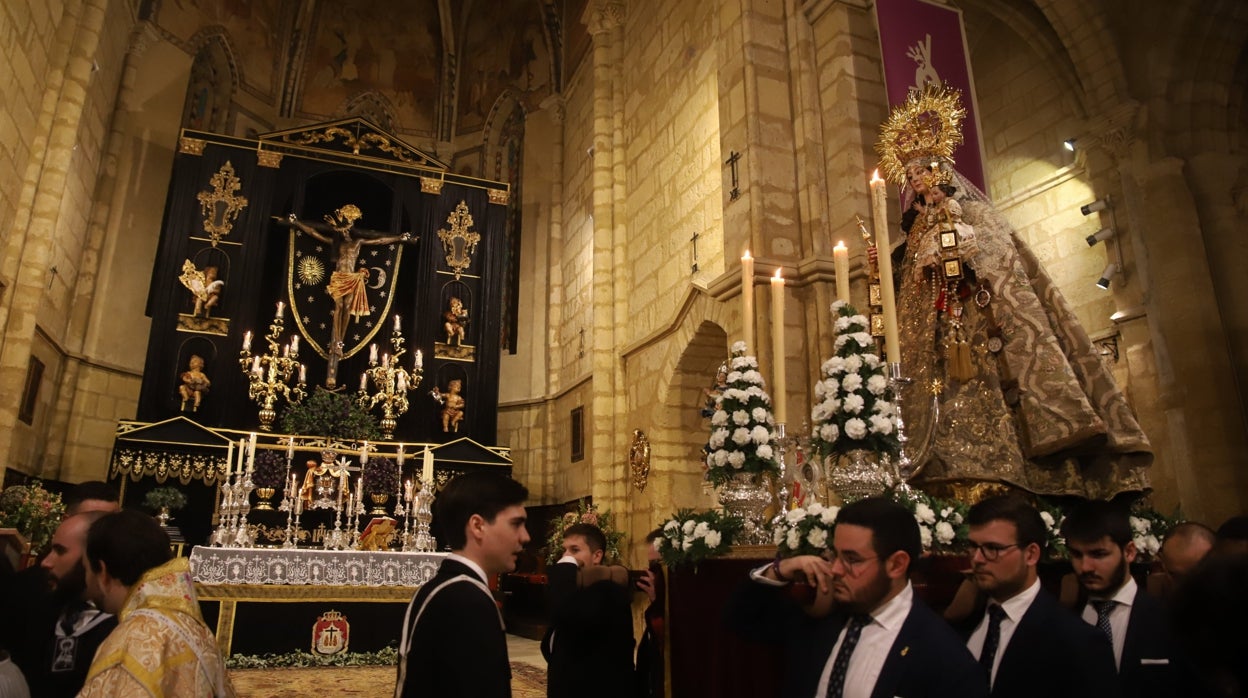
(607, 441)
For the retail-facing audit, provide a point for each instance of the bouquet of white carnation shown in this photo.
(689, 538)
(805, 531)
(853, 402)
(942, 523)
(742, 437)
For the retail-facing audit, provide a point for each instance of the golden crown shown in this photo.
(927, 127)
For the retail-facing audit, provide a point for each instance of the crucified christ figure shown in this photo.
(347, 285)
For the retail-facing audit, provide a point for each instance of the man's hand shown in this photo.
(811, 569)
(646, 583)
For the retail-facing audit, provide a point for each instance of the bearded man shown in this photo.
(1098, 535)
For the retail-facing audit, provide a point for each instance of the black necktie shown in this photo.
(1103, 608)
(995, 615)
(840, 666)
(69, 617)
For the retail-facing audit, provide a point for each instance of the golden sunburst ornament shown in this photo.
(927, 127)
(311, 271)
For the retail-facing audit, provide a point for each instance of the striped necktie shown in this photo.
(1103, 608)
(840, 666)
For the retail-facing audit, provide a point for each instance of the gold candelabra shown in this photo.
(269, 374)
(391, 381)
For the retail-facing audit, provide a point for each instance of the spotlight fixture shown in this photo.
(1098, 205)
(1110, 270)
(1099, 236)
(1069, 143)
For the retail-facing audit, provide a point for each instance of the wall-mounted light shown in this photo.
(1069, 144)
(1100, 236)
(1098, 205)
(1106, 275)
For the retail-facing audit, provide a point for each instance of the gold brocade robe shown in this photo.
(161, 647)
(1043, 412)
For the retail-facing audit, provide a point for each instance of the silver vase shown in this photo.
(857, 474)
(747, 496)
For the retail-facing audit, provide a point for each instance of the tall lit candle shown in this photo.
(247, 340)
(290, 449)
(251, 453)
(420, 359)
(400, 458)
(372, 354)
(229, 458)
(385, 361)
(294, 345)
(888, 297)
(364, 454)
(255, 365)
(747, 301)
(402, 381)
(363, 382)
(426, 471)
(303, 373)
(777, 346)
(840, 264)
(407, 490)
(397, 325)
(280, 307)
(242, 455)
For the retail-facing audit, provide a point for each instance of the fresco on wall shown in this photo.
(361, 46)
(494, 60)
(254, 28)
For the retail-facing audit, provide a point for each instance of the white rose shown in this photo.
(855, 428)
(817, 537)
(752, 376)
(881, 425)
(1151, 544)
(741, 436)
(795, 515)
(819, 412)
(883, 408)
(739, 363)
(713, 539)
(877, 384)
(764, 451)
(736, 459)
(760, 435)
(828, 517)
(837, 305)
(686, 544)
(820, 391)
(740, 418)
(721, 458)
(759, 414)
(687, 529)
(717, 438)
(831, 385)
(815, 509)
(1139, 525)
(719, 419)
(925, 537)
(739, 347)
(1048, 519)
(871, 360)
(924, 514)
(833, 366)
(864, 339)
(944, 533)
(733, 377)
(829, 432)
(793, 539)
(701, 529)
(853, 364)
(854, 404)
(851, 382)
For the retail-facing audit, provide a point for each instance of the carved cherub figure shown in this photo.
(455, 318)
(452, 404)
(194, 383)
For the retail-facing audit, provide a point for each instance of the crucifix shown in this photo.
(732, 162)
(694, 239)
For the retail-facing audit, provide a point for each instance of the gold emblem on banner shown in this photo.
(459, 242)
(221, 206)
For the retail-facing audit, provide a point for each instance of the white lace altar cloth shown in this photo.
(317, 567)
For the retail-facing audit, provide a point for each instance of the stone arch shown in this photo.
(374, 106)
(498, 126)
(1202, 103)
(1085, 32)
(213, 83)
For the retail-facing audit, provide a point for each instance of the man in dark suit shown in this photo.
(1026, 643)
(879, 640)
(1098, 535)
(589, 641)
(453, 641)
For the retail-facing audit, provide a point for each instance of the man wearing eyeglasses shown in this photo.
(878, 640)
(1098, 536)
(1025, 642)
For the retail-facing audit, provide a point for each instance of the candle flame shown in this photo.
(875, 176)
(746, 255)
(840, 244)
(777, 277)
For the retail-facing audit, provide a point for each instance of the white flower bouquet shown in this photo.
(805, 531)
(742, 426)
(853, 402)
(942, 523)
(689, 538)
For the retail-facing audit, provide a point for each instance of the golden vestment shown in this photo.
(352, 285)
(161, 647)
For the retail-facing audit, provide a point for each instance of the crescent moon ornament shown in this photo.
(381, 277)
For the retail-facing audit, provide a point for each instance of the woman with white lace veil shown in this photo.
(1023, 396)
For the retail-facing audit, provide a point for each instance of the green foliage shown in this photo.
(170, 498)
(381, 476)
(33, 511)
(270, 469)
(689, 537)
(329, 414)
(385, 657)
(742, 425)
(585, 513)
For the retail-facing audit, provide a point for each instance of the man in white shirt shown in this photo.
(1098, 535)
(453, 642)
(878, 640)
(1025, 642)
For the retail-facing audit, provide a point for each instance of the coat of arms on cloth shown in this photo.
(330, 633)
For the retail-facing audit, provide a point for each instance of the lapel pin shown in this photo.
(905, 650)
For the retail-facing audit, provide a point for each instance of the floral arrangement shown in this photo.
(742, 424)
(1149, 528)
(270, 469)
(589, 514)
(33, 511)
(381, 476)
(334, 415)
(854, 408)
(805, 531)
(942, 527)
(689, 538)
(385, 656)
(1053, 516)
(170, 498)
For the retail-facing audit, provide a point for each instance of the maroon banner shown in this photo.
(922, 42)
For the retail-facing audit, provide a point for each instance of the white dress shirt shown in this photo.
(872, 649)
(1119, 616)
(1014, 608)
(471, 565)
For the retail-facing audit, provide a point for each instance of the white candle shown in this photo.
(290, 449)
(840, 264)
(363, 382)
(372, 354)
(359, 489)
(364, 454)
(420, 359)
(242, 455)
(400, 458)
(888, 297)
(303, 373)
(294, 345)
(777, 345)
(298, 506)
(280, 307)
(255, 365)
(407, 489)
(342, 486)
(426, 472)
(402, 382)
(247, 340)
(397, 326)
(285, 350)
(747, 301)
(229, 459)
(385, 361)
(251, 453)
